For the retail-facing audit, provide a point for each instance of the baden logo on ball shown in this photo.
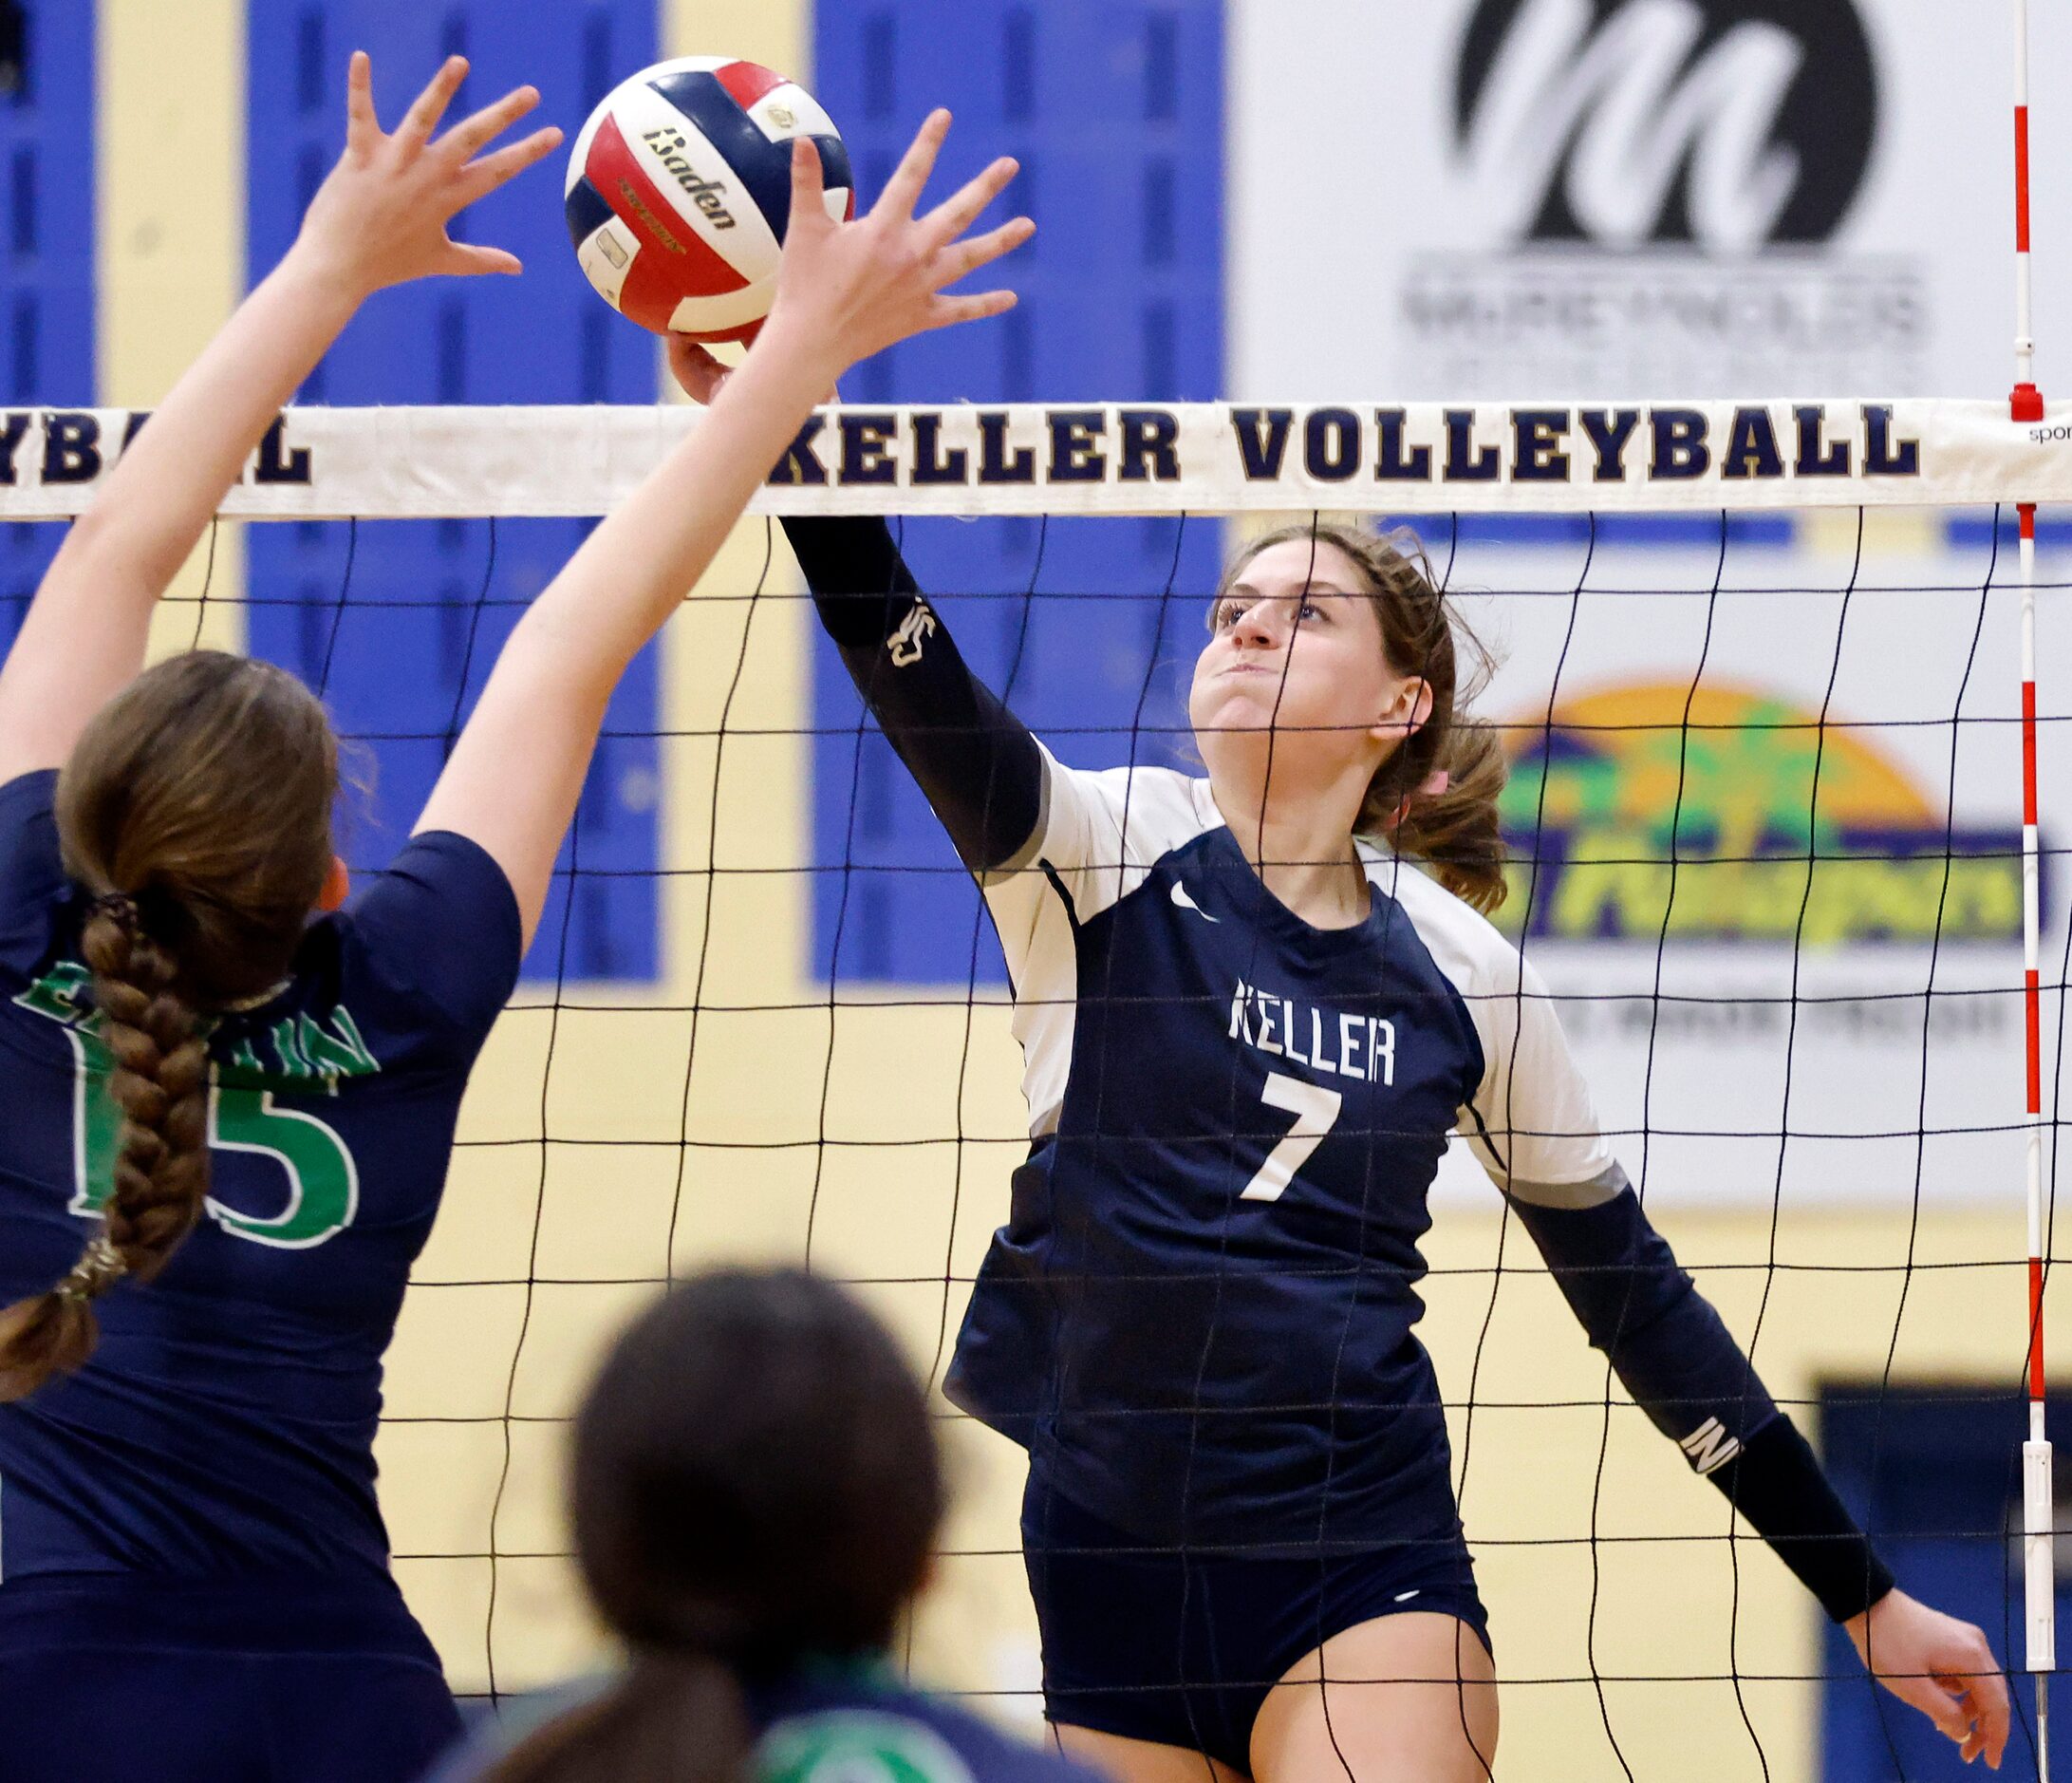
(679, 188)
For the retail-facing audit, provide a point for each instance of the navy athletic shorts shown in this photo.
(132, 1680)
(1182, 1647)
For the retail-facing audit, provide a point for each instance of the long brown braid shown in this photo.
(195, 812)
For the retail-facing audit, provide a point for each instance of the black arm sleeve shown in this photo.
(980, 769)
(1683, 1368)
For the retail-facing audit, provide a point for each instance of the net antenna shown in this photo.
(2026, 405)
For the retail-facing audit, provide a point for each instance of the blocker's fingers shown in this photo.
(430, 105)
(807, 190)
(957, 212)
(903, 191)
(363, 128)
(466, 260)
(696, 368)
(476, 132)
(963, 258)
(946, 312)
(510, 160)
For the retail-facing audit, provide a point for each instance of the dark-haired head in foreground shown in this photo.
(755, 1489)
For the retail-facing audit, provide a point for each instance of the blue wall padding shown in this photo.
(1934, 1470)
(401, 621)
(1115, 110)
(48, 232)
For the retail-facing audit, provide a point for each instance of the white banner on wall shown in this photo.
(1551, 199)
(1687, 725)
(1460, 198)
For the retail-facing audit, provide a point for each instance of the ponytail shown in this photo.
(159, 1080)
(676, 1717)
(1453, 829)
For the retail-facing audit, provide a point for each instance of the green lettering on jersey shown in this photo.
(337, 1050)
(856, 1746)
(322, 1181)
(294, 1062)
(59, 993)
(96, 1123)
(323, 1185)
(304, 1052)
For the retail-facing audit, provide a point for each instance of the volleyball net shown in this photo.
(1776, 846)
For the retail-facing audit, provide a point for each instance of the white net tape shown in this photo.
(1188, 458)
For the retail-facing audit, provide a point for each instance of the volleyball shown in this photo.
(679, 186)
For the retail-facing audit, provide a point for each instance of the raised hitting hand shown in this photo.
(845, 291)
(379, 217)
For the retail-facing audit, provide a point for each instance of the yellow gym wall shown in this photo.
(170, 167)
(542, 1249)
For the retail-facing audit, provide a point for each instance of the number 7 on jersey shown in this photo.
(1316, 1111)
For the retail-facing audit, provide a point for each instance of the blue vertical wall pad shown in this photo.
(48, 232)
(1115, 110)
(1934, 1470)
(400, 622)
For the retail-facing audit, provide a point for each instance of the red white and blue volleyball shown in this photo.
(679, 188)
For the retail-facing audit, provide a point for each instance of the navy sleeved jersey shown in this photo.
(226, 1423)
(1199, 1316)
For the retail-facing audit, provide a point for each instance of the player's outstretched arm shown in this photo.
(979, 765)
(1685, 1369)
(378, 219)
(844, 290)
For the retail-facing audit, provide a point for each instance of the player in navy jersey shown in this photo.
(231, 1090)
(754, 1551)
(1250, 1022)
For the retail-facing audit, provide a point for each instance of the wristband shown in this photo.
(1778, 1485)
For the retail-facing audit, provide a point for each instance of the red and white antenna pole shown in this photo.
(2026, 405)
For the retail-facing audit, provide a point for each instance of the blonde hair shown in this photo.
(1454, 831)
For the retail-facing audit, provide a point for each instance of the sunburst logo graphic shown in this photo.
(1646, 805)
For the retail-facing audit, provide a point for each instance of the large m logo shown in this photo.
(1627, 121)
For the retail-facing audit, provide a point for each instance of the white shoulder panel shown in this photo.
(1537, 1125)
(1099, 835)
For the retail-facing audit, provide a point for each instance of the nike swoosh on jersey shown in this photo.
(1187, 903)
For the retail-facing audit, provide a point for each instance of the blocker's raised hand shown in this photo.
(845, 291)
(379, 217)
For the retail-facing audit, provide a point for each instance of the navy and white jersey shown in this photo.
(1199, 1315)
(226, 1423)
